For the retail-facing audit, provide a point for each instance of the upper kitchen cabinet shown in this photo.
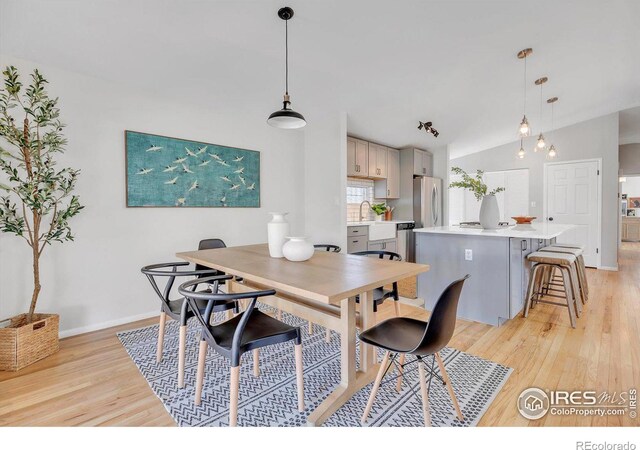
(390, 187)
(357, 157)
(377, 161)
(422, 163)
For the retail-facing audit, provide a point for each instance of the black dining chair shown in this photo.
(328, 248)
(381, 294)
(407, 336)
(248, 331)
(177, 309)
(332, 248)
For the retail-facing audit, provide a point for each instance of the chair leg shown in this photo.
(229, 314)
(279, 314)
(452, 394)
(327, 335)
(569, 295)
(181, 355)
(310, 328)
(400, 372)
(234, 389)
(202, 358)
(376, 385)
(299, 377)
(256, 362)
(163, 321)
(530, 290)
(396, 305)
(425, 395)
(575, 288)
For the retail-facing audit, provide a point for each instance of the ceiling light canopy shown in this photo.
(286, 117)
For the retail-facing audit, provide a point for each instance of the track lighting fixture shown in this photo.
(428, 128)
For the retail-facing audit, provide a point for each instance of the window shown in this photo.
(357, 192)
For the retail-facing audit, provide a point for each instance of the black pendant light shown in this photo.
(286, 117)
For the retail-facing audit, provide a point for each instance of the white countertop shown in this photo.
(541, 230)
(372, 222)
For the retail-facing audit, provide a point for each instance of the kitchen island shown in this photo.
(495, 259)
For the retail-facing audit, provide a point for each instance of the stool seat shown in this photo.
(562, 259)
(578, 246)
(571, 251)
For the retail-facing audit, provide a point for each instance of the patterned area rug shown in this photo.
(270, 399)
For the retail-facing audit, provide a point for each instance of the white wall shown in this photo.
(96, 279)
(597, 138)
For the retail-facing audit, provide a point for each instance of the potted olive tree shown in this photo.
(36, 203)
(489, 212)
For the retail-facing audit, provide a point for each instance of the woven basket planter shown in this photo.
(22, 344)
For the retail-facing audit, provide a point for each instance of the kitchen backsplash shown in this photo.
(359, 190)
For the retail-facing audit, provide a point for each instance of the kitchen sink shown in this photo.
(381, 230)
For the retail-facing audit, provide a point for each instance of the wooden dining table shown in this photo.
(321, 290)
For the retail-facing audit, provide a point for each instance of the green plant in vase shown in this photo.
(489, 212)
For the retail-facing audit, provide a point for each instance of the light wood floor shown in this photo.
(92, 380)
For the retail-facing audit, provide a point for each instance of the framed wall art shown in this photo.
(171, 172)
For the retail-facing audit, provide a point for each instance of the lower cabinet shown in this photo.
(357, 244)
(630, 229)
(389, 245)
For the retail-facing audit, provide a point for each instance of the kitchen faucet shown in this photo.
(367, 202)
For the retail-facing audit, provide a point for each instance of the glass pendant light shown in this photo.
(552, 152)
(521, 151)
(525, 129)
(540, 142)
(286, 117)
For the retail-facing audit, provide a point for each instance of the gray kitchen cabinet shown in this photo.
(357, 157)
(377, 161)
(390, 187)
(422, 163)
(389, 245)
(357, 244)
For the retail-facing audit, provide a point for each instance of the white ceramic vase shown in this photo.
(489, 212)
(297, 249)
(277, 232)
(379, 218)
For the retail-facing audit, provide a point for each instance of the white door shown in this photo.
(572, 198)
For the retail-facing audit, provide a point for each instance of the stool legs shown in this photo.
(566, 277)
(537, 288)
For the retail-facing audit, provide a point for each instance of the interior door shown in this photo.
(572, 198)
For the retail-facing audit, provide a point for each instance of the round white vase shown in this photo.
(379, 218)
(489, 212)
(277, 231)
(297, 249)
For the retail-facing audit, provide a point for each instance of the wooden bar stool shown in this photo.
(580, 269)
(580, 260)
(565, 264)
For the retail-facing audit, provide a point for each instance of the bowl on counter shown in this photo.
(523, 219)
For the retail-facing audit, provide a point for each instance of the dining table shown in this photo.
(321, 290)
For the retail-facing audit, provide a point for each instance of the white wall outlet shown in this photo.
(468, 254)
(533, 204)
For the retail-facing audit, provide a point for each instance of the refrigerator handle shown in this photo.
(437, 204)
(434, 213)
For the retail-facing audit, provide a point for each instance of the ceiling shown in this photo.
(387, 64)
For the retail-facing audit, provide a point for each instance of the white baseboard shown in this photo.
(108, 324)
(613, 269)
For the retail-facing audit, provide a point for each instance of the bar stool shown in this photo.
(565, 264)
(580, 260)
(580, 269)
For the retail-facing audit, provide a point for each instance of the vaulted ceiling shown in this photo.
(387, 63)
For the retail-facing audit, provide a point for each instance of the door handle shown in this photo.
(550, 219)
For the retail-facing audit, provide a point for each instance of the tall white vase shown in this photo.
(489, 212)
(277, 230)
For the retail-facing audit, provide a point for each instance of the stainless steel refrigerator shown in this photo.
(427, 205)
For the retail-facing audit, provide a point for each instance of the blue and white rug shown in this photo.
(271, 399)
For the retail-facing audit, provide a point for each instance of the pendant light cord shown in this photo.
(286, 57)
(540, 118)
(525, 85)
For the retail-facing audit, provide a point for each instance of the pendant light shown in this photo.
(521, 151)
(286, 117)
(540, 142)
(524, 129)
(552, 153)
